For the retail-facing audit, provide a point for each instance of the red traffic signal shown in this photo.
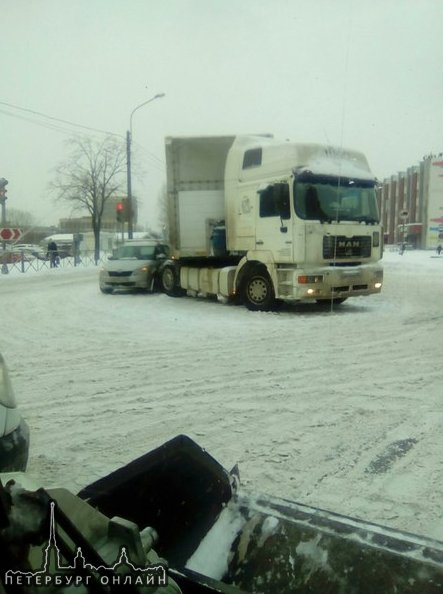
(121, 211)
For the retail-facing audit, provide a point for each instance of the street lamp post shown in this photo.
(128, 163)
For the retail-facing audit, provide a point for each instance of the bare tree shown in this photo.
(20, 218)
(92, 174)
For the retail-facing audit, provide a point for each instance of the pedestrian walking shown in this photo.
(52, 254)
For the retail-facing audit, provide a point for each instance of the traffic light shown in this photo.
(3, 190)
(120, 212)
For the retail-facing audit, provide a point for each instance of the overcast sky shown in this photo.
(365, 74)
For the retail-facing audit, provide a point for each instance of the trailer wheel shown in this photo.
(169, 282)
(258, 291)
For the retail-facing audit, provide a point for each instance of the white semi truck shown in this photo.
(262, 221)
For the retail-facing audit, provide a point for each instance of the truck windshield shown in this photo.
(327, 199)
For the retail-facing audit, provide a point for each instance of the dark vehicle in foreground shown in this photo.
(14, 432)
(177, 521)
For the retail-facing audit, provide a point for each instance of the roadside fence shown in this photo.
(24, 262)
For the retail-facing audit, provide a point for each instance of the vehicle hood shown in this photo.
(126, 264)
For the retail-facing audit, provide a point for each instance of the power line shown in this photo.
(47, 125)
(44, 115)
(155, 162)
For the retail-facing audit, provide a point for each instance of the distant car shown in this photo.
(9, 257)
(14, 431)
(28, 251)
(134, 266)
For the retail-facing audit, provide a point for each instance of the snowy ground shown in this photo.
(341, 410)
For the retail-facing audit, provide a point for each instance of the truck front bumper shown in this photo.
(333, 282)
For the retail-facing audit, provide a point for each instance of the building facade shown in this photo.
(411, 205)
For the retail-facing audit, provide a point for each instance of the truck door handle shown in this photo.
(259, 242)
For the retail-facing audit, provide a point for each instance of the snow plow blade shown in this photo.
(217, 537)
(178, 489)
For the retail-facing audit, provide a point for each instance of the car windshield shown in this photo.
(327, 198)
(141, 252)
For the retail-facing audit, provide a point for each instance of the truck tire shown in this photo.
(169, 282)
(258, 291)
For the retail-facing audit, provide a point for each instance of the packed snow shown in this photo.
(340, 409)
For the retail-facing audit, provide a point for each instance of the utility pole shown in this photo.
(129, 184)
(3, 190)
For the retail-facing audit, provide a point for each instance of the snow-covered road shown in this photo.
(341, 410)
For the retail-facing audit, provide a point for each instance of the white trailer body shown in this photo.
(195, 173)
(261, 219)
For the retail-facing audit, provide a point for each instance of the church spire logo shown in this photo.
(54, 571)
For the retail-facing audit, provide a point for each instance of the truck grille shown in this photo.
(340, 246)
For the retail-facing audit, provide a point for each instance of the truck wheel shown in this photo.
(258, 292)
(169, 282)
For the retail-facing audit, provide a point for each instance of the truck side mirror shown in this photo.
(281, 199)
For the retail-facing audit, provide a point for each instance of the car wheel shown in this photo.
(106, 290)
(258, 291)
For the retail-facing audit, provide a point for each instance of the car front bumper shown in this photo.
(133, 280)
(14, 449)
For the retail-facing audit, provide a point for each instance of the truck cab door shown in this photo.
(273, 230)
